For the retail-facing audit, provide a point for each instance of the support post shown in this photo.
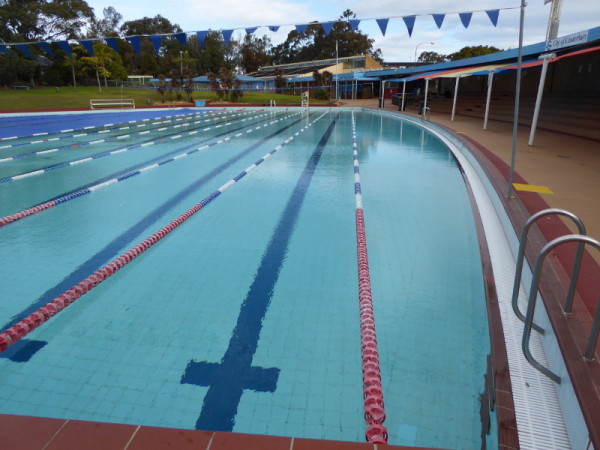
(403, 95)
(487, 101)
(540, 93)
(454, 101)
(425, 95)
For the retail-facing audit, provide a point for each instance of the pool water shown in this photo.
(245, 318)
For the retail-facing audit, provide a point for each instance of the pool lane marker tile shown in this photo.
(532, 188)
(228, 379)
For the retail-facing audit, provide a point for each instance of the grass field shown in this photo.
(79, 98)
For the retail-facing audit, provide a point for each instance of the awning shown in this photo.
(497, 68)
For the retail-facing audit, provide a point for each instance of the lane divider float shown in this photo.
(49, 204)
(372, 389)
(93, 127)
(115, 152)
(25, 326)
(188, 122)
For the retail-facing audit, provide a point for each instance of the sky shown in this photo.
(396, 45)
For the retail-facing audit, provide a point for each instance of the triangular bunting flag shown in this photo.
(181, 38)
(410, 23)
(227, 36)
(135, 41)
(156, 42)
(112, 43)
(327, 27)
(201, 37)
(354, 24)
(274, 28)
(439, 19)
(24, 49)
(251, 30)
(89, 47)
(64, 45)
(493, 15)
(46, 47)
(465, 18)
(301, 28)
(4, 50)
(383, 23)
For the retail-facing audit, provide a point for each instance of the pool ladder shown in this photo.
(582, 239)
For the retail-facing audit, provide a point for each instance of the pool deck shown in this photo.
(569, 166)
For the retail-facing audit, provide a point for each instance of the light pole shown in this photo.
(337, 95)
(180, 70)
(417, 47)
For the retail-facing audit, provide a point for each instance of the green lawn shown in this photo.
(68, 98)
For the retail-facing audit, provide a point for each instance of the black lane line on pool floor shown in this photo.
(125, 173)
(24, 349)
(228, 379)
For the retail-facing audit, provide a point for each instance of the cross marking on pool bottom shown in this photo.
(228, 379)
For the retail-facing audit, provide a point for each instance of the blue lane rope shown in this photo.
(49, 204)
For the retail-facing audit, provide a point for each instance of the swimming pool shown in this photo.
(245, 317)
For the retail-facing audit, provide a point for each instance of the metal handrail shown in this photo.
(535, 281)
(426, 113)
(521, 257)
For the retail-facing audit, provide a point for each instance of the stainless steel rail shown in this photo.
(535, 281)
(521, 257)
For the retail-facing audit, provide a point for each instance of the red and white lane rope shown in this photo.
(25, 326)
(372, 390)
(65, 198)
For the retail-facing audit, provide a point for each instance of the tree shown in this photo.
(149, 25)
(148, 62)
(108, 26)
(323, 81)
(315, 44)
(225, 84)
(210, 57)
(105, 63)
(280, 81)
(14, 69)
(162, 87)
(32, 20)
(255, 52)
(432, 58)
(469, 52)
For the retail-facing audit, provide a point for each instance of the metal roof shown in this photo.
(492, 58)
(497, 68)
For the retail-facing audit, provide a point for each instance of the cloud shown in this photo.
(223, 14)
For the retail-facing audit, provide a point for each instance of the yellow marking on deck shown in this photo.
(532, 188)
(460, 132)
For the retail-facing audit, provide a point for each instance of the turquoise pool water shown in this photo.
(245, 318)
